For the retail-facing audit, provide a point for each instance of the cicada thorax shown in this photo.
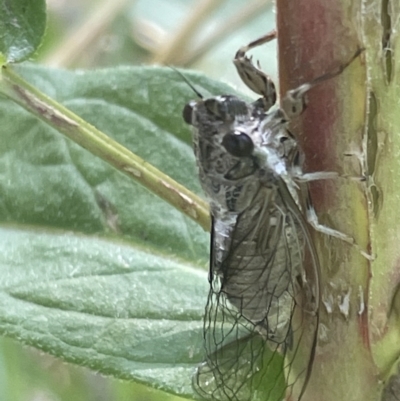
(225, 179)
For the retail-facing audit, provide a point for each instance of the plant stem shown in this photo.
(99, 144)
(314, 37)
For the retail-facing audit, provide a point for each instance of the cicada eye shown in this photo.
(238, 144)
(187, 112)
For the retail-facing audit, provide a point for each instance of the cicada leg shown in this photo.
(254, 77)
(311, 214)
(295, 102)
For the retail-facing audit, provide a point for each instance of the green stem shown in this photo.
(99, 144)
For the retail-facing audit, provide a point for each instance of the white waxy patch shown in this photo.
(344, 304)
(328, 303)
(133, 171)
(361, 300)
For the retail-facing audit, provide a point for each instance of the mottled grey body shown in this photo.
(257, 245)
(264, 270)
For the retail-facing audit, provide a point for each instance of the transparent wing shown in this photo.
(244, 369)
(261, 320)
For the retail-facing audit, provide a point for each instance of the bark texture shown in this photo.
(352, 126)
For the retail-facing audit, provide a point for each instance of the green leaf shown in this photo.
(56, 183)
(22, 26)
(95, 269)
(112, 307)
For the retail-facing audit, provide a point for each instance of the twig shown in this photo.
(175, 46)
(82, 38)
(99, 144)
(245, 14)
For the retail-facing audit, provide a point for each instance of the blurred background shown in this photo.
(89, 34)
(198, 34)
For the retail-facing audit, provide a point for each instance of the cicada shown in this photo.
(262, 314)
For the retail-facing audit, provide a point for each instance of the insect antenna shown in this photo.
(191, 86)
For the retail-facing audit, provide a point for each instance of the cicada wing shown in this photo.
(239, 365)
(262, 306)
(299, 355)
(244, 369)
